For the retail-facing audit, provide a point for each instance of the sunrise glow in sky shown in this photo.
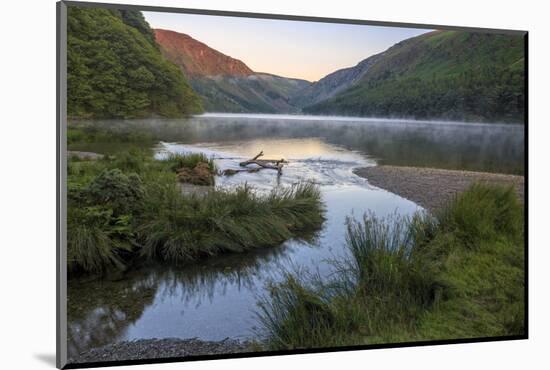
(307, 50)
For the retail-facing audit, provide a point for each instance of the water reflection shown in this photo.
(213, 299)
(216, 298)
(309, 159)
(102, 311)
(480, 147)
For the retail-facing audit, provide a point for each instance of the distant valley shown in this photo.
(438, 75)
(334, 83)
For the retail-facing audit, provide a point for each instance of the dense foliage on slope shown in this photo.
(115, 69)
(443, 74)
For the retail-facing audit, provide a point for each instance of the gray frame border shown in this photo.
(61, 190)
(61, 176)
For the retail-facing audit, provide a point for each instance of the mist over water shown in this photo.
(450, 145)
(216, 298)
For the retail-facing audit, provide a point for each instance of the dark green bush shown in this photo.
(122, 193)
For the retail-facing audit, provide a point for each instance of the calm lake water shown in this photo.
(217, 298)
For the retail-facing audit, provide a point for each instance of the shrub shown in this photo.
(122, 193)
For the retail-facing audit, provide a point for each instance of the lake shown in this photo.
(217, 298)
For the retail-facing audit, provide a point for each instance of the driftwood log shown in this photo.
(273, 164)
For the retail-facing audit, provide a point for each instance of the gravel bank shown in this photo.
(84, 155)
(432, 188)
(159, 348)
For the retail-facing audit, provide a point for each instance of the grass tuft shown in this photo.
(190, 161)
(456, 275)
(484, 213)
(191, 227)
(95, 239)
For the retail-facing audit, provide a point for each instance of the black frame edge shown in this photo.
(290, 352)
(526, 183)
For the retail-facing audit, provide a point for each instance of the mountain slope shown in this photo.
(115, 69)
(226, 84)
(196, 58)
(333, 83)
(257, 93)
(442, 74)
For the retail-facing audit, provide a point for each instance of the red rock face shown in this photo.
(196, 58)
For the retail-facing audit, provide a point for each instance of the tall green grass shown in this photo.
(96, 239)
(458, 274)
(191, 227)
(129, 206)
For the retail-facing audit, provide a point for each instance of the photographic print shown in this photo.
(242, 184)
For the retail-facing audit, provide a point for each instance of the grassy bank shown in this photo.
(129, 206)
(458, 274)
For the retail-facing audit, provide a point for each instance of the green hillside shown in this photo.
(440, 75)
(258, 93)
(115, 69)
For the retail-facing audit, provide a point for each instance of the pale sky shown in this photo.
(307, 50)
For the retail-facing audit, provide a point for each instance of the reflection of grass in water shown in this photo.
(107, 148)
(98, 315)
(108, 139)
(457, 275)
(100, 310)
